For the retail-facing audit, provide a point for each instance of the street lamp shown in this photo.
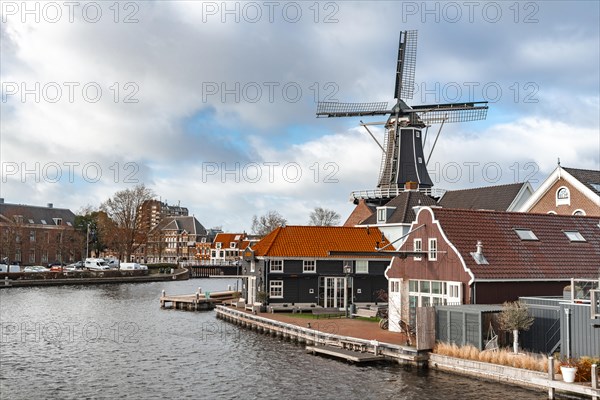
(347, 272)
(87, 242)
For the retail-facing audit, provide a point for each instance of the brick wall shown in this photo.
(578, 201)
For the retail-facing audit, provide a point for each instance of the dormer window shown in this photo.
(578, 212)
(563, 196)
(218, 245)
(526, 234)
(574, 236)
(232, 245)
(384, 213)
(57, 221)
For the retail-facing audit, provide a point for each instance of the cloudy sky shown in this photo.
(212, 105)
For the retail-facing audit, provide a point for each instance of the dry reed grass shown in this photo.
(530, 361)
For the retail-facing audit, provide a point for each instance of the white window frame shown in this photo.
(432, 249)
(232, 245)
(579, 212)
(418, 246)
(307, 268)
(276, 270)
(525, 234)
(218, 245)
(574, 236)
(381, 215)
(361, 267)
(560, 201)
(274, 288)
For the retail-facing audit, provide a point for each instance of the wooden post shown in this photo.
(595, 380)
(551, 377)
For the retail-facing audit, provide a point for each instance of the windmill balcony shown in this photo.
(392, 192)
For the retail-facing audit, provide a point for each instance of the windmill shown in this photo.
(402, 160)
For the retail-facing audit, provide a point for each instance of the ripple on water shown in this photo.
(117, 343)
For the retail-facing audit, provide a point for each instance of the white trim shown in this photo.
(432, 255)
(271, 270)
(356, 268)
(279, 284)
(526, 190)
(415, 223)
(557, 174)
(304, 271)
(417, 258)
(581, 211)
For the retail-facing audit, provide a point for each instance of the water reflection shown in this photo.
(113, 341)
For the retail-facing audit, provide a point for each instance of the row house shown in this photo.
(33, 235)
(173, 240)
(318, 265)
(203, 247)
(488, 257)
(227, 248)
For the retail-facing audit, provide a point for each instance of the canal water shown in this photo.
(114, 341)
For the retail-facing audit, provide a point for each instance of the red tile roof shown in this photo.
(227, 238)
(552, 256)
(317, 241)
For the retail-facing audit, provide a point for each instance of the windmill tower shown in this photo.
(403, 160)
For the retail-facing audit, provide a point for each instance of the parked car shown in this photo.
(9, 268)
(96, 264)
(113, 263)
(78, 266)
(35, 268)
(129, 266)
(56, 264)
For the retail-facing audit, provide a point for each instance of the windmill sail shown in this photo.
(402, 157)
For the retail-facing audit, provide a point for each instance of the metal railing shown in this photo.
(392, 192)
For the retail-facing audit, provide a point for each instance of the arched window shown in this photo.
(552, 212)
(563, 197)
(579, 212)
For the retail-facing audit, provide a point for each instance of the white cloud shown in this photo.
(179, 51)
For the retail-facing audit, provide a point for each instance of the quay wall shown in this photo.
(309, 336)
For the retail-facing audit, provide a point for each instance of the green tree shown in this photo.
(515, 317)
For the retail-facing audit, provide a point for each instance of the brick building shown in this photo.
(488, 257)
(32, 235)
(567, 191)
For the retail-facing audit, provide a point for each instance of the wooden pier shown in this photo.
(348, 355)
(199, 301)
(322, 342)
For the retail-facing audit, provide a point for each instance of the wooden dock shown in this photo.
(348, 355)
(199, 301)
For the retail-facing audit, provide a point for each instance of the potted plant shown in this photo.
(568, 369)
(261, 296)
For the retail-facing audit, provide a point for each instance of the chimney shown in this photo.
(479, 247)
(410, 186)
(50, 205)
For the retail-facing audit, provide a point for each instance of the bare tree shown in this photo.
(324, 217)
(122, 208)
(266, 223)
(515, 317)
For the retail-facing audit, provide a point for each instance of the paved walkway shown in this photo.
(357, 328)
